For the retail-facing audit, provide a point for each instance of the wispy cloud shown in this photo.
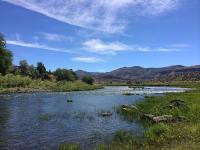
(56, 37)
(97, 46)
(100, 47)
(37, 46)
(156, 7)
(156, 49)
(168, 49)
(141, 48)
(87, 59)
(101, 15)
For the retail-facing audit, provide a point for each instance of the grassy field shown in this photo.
(16, 84)
(182, 131)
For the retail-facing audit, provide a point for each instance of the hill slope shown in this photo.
(136, 73)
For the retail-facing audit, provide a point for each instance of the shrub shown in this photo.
(64, 74)
(11, 80)
(88, 80)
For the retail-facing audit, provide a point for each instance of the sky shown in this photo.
(102, 35)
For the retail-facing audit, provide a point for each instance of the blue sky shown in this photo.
(102, 35)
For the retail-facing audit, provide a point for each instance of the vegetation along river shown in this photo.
(46, 120)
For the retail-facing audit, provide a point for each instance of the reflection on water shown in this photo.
(45, 120)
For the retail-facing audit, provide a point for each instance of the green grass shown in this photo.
(68, 146)
(16, 84)
(155, 83)
(171, 135)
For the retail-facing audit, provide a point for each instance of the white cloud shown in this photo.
(87, 59)
(97, 46)
(168, 49)
(155, 49)
(156, 7)
(56, 37)
(100, 47)
(36, 45)
(101, 15)
(142, 49)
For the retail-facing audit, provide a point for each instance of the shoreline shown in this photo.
(19, 90)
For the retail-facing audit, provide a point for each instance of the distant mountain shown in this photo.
(136, 73)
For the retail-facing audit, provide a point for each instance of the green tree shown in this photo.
(88, 80)
(16, 70)
(64, 74)
(33, 73)
(76, 78)
(5, 57)
(24, 67)
(128, 82)
(41, 69)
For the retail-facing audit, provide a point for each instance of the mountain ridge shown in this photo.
(134, 73)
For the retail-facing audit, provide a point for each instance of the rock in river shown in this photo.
(104, 114)
(164, 118)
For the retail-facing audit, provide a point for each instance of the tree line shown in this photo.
(38, 72)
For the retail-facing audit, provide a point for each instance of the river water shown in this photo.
(46, 120)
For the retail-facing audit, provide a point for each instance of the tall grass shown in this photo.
(16, 83)
(67, 146)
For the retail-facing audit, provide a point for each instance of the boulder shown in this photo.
(126, 108)
(104, 114)
(157, 119)
(179, 119)
(129, 108)
(125, 105)
(177, 103)
(148, 116)
(133, 107)
(163, 118)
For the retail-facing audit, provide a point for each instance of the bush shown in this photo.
(11, 80)
(88, 80)
(64, 74)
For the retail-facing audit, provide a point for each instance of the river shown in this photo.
(45, 120)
